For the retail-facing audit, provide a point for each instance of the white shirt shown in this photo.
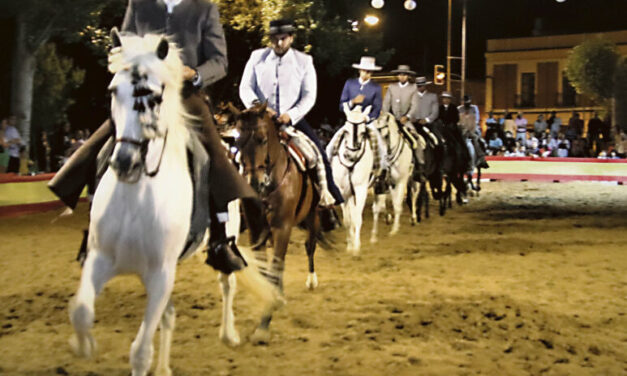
(403, 85)
(171, 4)
(10, 134)
(293, 73)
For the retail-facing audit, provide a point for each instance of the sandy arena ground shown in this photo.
(529, 279)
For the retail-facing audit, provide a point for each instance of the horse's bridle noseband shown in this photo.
(143, 147)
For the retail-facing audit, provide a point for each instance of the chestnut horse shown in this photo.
(289, 194)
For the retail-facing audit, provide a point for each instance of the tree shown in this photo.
(36, 22)
(55, 79)
(595, 68)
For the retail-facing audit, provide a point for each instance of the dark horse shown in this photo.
(289, 194)
(432, 173)
(454, 164)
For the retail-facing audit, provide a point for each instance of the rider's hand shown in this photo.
(422, 122)
(188, 73)
(404, 119)
(284, 118)
(359, 99)
(271, 112)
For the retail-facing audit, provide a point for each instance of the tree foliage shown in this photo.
(591, 67)
(55, 80)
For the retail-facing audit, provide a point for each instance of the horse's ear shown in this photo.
(116, 41)
(234, 110)
(163, 48)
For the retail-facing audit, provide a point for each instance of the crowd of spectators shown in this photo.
(512, 135)
(52, 149)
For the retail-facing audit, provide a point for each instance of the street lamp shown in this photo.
(409, 4)
(377, 4)
(371, 20)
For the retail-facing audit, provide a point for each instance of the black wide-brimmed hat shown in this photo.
(282, 26)
(404, 69)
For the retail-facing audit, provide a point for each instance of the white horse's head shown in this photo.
(356, 120)
(145, 97)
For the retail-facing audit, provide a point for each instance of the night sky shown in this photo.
(419, 36)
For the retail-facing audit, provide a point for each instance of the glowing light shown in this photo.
(377, 4)
(371, 20)
(560, 1)
(410, 4)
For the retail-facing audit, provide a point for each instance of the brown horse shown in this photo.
(289, 194)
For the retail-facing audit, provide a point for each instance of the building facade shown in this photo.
(528, 74)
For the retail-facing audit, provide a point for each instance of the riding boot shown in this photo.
(222, 253)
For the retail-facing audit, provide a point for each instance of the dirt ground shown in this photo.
(528, 279)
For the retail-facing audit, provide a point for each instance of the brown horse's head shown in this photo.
(257, 142)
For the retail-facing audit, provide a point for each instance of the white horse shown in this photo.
(399, 161)
(140, 216)
(352, 162)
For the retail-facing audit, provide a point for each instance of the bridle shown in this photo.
(143, 147)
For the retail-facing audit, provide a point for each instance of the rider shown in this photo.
(399, 100)
(469, 123)
(286, 79)
(363, 92)
(449, 116)
(195, 27)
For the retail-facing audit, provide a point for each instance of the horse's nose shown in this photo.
(123, 161)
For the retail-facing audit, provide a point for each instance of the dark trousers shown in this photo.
(14, 165)
(304, 127)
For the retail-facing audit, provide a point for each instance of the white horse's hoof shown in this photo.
(231, 339)
(394, 231)
(163, 372)
(464, 200)
(389, 218)
(374, 240)
(312, 281)
(84, 349)
(260, 337)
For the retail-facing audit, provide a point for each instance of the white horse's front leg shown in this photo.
(166, 328)
(348, 224)
(97, 271)
(159, 286)
(415, 189)
(378, 205)
(356, 215)
(398, 194)
(228, 333)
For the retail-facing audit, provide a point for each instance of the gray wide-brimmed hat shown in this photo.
(404, 69)
(282, 26)
(367, 63)
(422, 81)
(446, 94)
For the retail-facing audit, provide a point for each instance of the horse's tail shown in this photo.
(251, 279)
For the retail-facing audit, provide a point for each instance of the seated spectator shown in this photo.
(614, 155)
(495, 144)
(540, 126)
(602, 155)
(533, 145)
(563, 146)
(509, 142)
(492, 126)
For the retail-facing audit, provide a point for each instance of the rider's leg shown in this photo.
(231, 186)
(304, 127)
(80, 168)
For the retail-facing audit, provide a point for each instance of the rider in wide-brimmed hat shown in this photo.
(362, 91)
(286, 79)
(399, 101)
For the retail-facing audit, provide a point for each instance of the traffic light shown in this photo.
(439, 74)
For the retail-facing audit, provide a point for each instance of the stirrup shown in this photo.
(224, 256)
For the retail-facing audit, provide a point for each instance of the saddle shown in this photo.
(300, 148)
(198, 166)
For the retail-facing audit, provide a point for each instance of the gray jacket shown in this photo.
(398, 100)
(425, 107)
(194, 26)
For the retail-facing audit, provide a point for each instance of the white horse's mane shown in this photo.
(141, 52)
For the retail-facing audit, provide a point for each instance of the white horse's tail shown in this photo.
(268, 294)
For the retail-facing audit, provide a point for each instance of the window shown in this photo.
(528, 88)
(569, 95)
